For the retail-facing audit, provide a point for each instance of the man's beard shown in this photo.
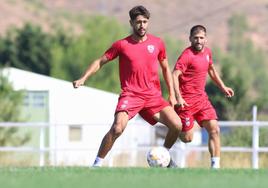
(139, 34)
(198, 47)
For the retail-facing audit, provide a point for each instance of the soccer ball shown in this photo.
(158, 157)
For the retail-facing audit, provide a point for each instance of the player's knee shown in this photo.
(176, 129)
(186, 138)
(214, 132)
(116, 131)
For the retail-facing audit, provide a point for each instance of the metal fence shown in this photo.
(255, 149)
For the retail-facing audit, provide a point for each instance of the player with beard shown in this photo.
(140, 55)
(189, 75)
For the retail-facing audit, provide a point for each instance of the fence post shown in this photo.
(42, 146)
(255, 140)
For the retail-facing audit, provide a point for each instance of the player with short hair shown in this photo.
(140, 55)
(189, 75)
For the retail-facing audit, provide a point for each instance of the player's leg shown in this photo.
(156, 109)
(214, 143)
(169, 118)
(186, 136)
(207, 118)
(127, 107)
(119, 125)
(187, 120)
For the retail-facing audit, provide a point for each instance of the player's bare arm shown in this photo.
(180, 101)
(169, 81)
(92, 68)
(216, 78)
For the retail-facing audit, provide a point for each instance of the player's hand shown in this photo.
(172, 100)
(181, 103)
(78, 83)
(228, 92)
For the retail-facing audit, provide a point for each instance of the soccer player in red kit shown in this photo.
(189, 75)
(140, 55)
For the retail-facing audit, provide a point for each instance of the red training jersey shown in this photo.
(194, 67)
(139, 64)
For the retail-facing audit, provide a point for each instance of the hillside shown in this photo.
(173, 17)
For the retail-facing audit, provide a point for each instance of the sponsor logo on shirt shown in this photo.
(208, 58)
(150, 48)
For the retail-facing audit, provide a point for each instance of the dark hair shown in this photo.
(139, 10)
(197, 28)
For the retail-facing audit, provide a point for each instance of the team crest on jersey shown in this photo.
(187, 121)
(124, 105)
(150, 48)
(208, 58)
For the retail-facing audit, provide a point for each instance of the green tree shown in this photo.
(27, 48)
(173, 48)
(10, 102)
(91, 44)
(242, 68)
(250, 59)
(60, 46)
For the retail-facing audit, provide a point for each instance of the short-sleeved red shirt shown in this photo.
(139, 76)
(139, 63)
(194, 67)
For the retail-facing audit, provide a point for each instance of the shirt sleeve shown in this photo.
(182, 63)
(162, 51)
(113, 51)
(210, 57)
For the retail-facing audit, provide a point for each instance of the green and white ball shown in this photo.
(158, 157)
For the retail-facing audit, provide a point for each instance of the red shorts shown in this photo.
(145, 106)
(199, 111)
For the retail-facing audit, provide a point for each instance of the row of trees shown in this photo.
(243, 67)
(66, 55)
(63, 54)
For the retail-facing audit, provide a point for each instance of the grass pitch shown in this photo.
(79, 177)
